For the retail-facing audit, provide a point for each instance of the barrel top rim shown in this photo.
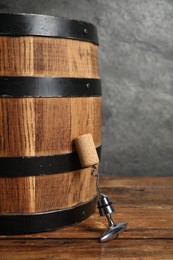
(47, 15)
(85, 31)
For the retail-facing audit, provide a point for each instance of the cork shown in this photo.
(86, 150)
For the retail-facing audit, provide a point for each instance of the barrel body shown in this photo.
(50, 94)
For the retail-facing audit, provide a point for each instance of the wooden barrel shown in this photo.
(50, 93)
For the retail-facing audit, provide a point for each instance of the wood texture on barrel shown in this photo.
(46, 126)
(46, 56)
(45, 193)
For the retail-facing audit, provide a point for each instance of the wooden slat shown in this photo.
(47, 56)
(17, 194)
(17, 127)
(64, 190)
(53, 130)
(86, 118)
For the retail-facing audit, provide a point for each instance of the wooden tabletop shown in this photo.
(146, 203)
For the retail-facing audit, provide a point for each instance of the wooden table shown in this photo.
(145, 202)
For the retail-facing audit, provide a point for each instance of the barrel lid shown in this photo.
(48, 26)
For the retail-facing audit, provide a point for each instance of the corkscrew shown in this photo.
(88, 158)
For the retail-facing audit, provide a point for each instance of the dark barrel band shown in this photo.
(45, 221)
(49, 87)
(40, 165)
(44, 25)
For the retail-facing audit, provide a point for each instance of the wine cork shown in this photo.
(86, 150)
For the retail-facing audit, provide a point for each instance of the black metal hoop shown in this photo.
(44, 25)
(49, 87)
(45, 221)
(40, 165)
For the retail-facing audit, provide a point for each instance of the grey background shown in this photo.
(136, 66)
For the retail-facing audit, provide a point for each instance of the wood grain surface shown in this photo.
(46, 56)
(146, 203)
(44, 193)
(47, 126)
